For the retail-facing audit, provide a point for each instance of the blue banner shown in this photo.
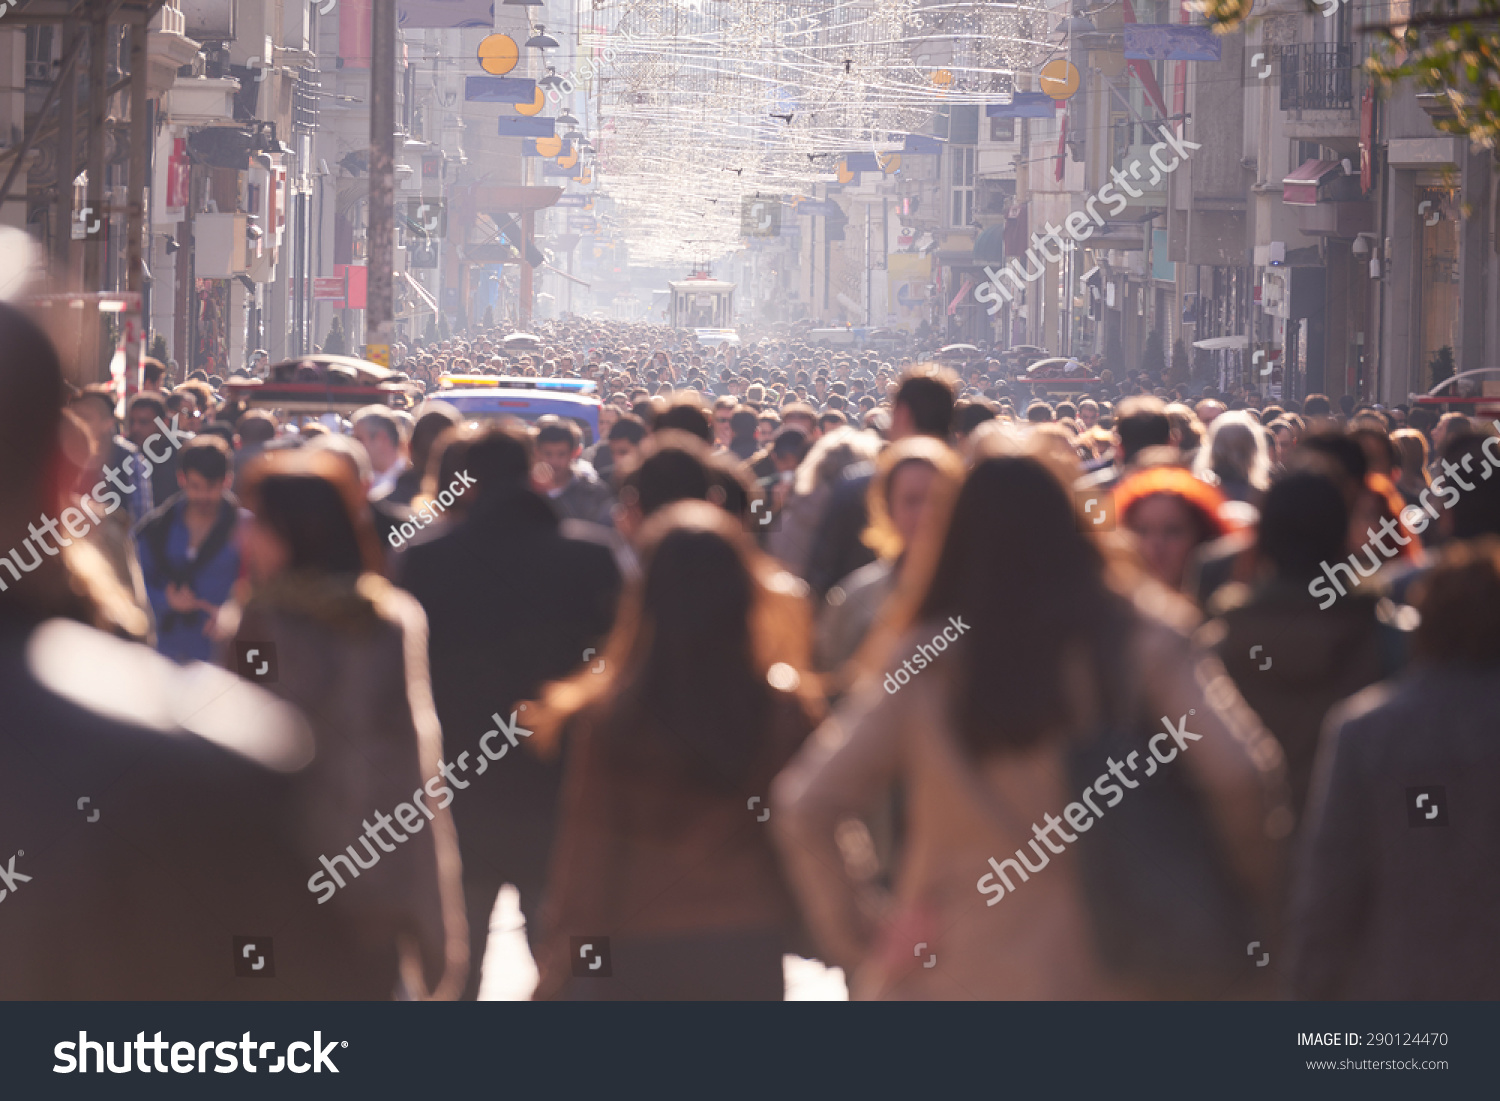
(520, 126)
(923, 143)
(819, 208)
(499, 89)
(1024, 105)
(1171, 42)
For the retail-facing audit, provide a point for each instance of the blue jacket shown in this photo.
(162, 544)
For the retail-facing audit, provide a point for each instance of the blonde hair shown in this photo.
(1411, 448)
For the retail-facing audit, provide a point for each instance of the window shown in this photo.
(961, 185)
(1002, 129)
(39, 54)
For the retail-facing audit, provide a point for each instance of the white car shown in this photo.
(711, 338)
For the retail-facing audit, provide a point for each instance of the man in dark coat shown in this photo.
(511, 604)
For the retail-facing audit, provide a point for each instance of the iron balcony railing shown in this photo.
(1317, 76)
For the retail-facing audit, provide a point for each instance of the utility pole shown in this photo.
(135, 207)
(67, 167)
(94, 217)
(869, 268)
(381, 223)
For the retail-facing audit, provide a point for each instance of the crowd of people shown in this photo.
(792, 658)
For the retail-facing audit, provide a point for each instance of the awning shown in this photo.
(1301, 187)
(1222, 343)
(989, 247)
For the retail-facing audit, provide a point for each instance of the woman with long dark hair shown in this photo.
(351, 652)
(673, 739)
(1024, 677)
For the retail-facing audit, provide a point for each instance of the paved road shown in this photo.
(510, 973)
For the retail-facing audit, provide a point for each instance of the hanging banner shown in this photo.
(1172, 42)
(1024, 105)
(499, 89)
(445, 13)
(519, 126)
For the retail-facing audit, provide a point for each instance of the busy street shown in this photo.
(669, 501)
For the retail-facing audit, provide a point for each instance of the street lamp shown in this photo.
(1074, 24)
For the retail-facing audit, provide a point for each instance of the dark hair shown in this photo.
(969, 415)
(729, 487)
(1029, 604)
(496, 455)
(1460, 606)
(929, 392)
(1477, 511)
(674, 468)
(1038, 412)
(686, 416)
(206, 455)
(1304, 522)
(691, 694)
(1379, 451)
(151, 399)
(790, 440)
(1317, 405)
(644, 411)
(1347, 456)
(436, 420)
(554, 429)
(743, 423)
(628, 427)
(256, 426)
(1141, 422)
(313, 503)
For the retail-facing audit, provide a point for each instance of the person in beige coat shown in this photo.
(350, 651)
(1018, 645)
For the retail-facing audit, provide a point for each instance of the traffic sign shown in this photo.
(1058, 78)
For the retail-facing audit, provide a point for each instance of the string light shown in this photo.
(697, 87)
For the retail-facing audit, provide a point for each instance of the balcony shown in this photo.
(1319, 87)
(1317, 77)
